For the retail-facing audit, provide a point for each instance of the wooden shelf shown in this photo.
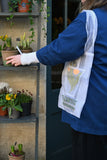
(19, 14)
(20, 68)
(24, 119)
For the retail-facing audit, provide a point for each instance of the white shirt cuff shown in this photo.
(29, 58)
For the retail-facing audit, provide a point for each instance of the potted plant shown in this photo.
(4, 5)
(7, 49)
(24, 44)
(16, 153)
(25, 98)
(13, 5)
(24, 5)
(4, 89)
(2, 103)
(13, 105)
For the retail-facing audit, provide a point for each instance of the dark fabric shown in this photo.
(69, 46)
(93, 118)
(88, 147)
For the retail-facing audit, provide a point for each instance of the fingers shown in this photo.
(15, 64)
(14, 60)
(9, 62)
(11, 57)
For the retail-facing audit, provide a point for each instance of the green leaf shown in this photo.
(18, 108)
(11, 16)
(8, 18)
(31, 29)
(48, 15)
(4, 108)
(20, 146)
(12, 149)
(11, 24)
(10, 111)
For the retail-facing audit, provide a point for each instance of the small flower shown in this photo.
(1, 37)
(30, 94)
(10, 90)
(4, 87)
(8, 97)
(18, 91)
(5, 37)
(15, 96)
(6, 41)
(23, 90)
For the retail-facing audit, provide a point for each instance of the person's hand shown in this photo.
(23, 59)
(14, 60)
(83, 1)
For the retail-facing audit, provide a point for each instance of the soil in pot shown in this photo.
(6, 54)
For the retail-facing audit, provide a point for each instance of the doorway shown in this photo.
(58, 134)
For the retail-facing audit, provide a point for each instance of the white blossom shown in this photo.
(3, 85)
(10, 90)
(4, 88)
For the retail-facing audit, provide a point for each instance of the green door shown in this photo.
(58, 134)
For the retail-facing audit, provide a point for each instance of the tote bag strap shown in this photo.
(91, 29)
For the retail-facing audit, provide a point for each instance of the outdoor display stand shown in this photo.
(50, 132)
(34, 117)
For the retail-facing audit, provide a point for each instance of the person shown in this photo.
(89, 132)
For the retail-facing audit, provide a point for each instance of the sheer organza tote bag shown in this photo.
(76, 74)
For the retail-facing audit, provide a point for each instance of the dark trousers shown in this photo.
(88, 147)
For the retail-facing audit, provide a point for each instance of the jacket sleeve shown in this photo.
(68, 46)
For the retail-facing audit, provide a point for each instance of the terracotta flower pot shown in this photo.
(3, 113)
(26, 50)
(21, 157)
(6, 54)
(24, 6)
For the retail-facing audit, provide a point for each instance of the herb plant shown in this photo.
(24, 96)
(15, 152)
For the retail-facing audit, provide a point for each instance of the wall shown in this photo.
(25, 132)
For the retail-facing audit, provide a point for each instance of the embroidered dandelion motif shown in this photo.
(73, 76)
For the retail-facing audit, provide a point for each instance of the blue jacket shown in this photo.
(70, 46)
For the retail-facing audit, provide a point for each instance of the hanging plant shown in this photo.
(15, 4)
